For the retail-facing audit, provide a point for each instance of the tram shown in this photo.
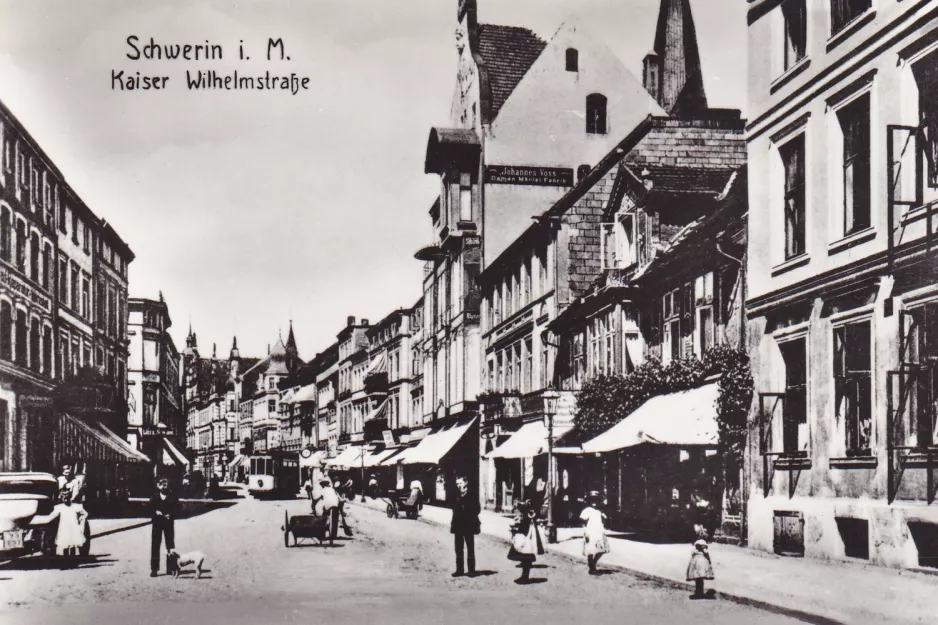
(273, 475)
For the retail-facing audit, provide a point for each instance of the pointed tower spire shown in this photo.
(291, 339)
(214, 352)
(672, 71)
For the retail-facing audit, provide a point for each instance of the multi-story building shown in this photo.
(351, 399)
(660, 176)
(156, 424)
(842, 287)
(526, 115)
(63, 314)
(326, 368)
(282, 362)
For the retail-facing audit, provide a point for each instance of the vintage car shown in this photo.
(22, 496)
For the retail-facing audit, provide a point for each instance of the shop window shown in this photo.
(845, 11)
(795, 414)
(793, 153)
(853, 386)
(854, 121)
(855, 534)
(794, 14)
(596, 114)
(924, 535)
(788, 533)
(573, 60)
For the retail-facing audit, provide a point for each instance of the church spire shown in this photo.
(672, 72)
(291, 340)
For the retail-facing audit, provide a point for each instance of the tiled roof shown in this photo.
(668, 179)
(508, 52)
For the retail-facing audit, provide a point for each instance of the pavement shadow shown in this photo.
(139, 509)
(531, 581)
(483, 573)
(316, 546)
(41, 563)
(601, 572)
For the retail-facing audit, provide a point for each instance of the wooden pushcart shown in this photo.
(305, 527)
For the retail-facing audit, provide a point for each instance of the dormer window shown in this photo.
(596, 114)
(573, 60)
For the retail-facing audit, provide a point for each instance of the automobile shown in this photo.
(23, 495)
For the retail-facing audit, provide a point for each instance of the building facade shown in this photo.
(156, 423)
(842, 279)
(63, 316)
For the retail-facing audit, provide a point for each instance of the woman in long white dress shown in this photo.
(595, 543)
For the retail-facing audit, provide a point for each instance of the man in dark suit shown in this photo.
(163, 506)
(464, 526)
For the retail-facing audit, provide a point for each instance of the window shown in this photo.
(75, 223)
(792, 154)
(919, 359)
(86, 239)
(573, 60)
(845, 11)
(271, 405)
(703, 299)
(46, 266)
(672, 326)
(47, 351)
(62, 211)
(6, 235)
(465, 198)
(35, 359)
(73, 287)
(34, 257)
(21, 245)
(20, 341)
(582, 171)
(855, 124)
(795, 414)
(853, 385)
(926, 77)
(794, 14)
(85, 294)
(149, 405)
(6, 331)
(596, 114)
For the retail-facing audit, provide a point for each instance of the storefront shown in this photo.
(439, 458)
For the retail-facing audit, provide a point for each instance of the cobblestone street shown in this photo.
(392, 571)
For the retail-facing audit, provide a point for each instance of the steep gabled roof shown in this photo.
(508, 53)
(682, 89)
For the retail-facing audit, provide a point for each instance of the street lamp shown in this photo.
(551, 397)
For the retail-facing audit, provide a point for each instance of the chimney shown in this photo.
(350, 321)
(651, 74)
(364, 322)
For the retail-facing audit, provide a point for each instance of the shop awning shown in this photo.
(287, 397)
(348, 458)
(529, 441)
(432, 449)
(373, 460)
(238, 461)
(305, 394)
(683, 419)
(91, 440)
(313, 460)
(174, 452)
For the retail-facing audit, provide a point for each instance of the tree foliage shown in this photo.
(605, 400)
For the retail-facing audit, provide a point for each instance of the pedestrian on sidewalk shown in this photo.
(700, 568)
(595, 543)
(526, 542)
(464, 526)
(163, 506)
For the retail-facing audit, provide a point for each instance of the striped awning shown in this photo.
(89, 439)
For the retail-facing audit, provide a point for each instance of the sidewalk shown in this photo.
(815, 590)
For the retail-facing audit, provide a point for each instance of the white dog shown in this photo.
(179, 560)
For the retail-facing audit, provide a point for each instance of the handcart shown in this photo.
(305, 527)
(408, 502)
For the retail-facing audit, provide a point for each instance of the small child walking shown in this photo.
(699, 568)
(595, 543)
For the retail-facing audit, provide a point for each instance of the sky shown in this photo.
(251, 209)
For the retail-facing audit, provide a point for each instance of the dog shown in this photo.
(179, 560)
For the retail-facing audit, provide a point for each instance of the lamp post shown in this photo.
(550, 396)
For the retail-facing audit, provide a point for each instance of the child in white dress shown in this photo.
(595, 543)
(72, 518)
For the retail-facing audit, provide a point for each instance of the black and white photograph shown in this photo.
(468, 311)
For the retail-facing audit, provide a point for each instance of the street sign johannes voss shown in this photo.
(524, 175)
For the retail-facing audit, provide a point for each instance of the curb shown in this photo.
(801, 615)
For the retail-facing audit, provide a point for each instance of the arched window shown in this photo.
(21, 340)
(573, 60)
(34, 359)
(47, 351)
(34, 257)
(46, 266)
(596, 114)
(6, 331)
(21, 245)
(5, 234)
